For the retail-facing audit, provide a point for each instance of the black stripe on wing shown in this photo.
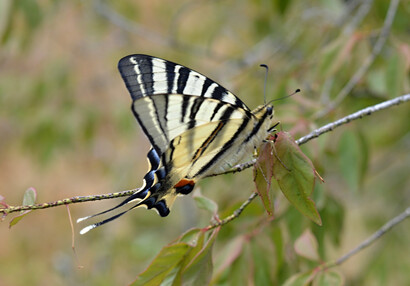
(145, 75)
(224, 148)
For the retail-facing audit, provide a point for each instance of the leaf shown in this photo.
(29, 198)
(328, 278)
(262, 274)
(306, 246)
(205, 203)
(277, 239)
(262, 175)
(300, 279)
(169, 258)
(190, 236)
(197, 267)
(230, 253)
(297, 179)
(393, 76)
(350, 159)
(241, 268)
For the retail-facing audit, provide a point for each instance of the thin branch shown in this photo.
(117, 19)
(73, 200)
(367, 242)
(357, 115)
(235, 214)
(238, 168)
(358, 17)
(367, 63)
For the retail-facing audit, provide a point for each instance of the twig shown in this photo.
(375, 236)
(133, 27)
(357, 115)
(235, 214)
(127, 25)
(367, 63)
(358, 17)
(73, 200)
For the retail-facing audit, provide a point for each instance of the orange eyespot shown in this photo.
(184, 182)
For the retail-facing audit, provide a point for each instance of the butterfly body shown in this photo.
(196, 127)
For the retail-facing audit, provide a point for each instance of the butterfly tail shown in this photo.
(145, 196)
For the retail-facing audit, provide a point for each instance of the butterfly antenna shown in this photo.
(280, 98)
(266, 79)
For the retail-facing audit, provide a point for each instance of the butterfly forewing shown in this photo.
(146, 75)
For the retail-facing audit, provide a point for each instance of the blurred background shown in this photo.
(66, 129)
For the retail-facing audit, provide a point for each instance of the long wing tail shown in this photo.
(146, 196)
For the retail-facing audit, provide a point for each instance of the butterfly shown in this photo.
(196, 127)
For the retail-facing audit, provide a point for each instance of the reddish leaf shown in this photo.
(262, 175)
(306, 245)
(295, 175)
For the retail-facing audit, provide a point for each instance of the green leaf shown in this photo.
(262, 175)
(262, 268)
(295, 175)
(197, 267)
(205, 203)
(169, 258)
(306, 246)
(29, 198)
(5, 17)
(393, 76)
(300, 279)
(350, 159)
(277, 239)
(328, 278)
(189, 236)
(241, 267)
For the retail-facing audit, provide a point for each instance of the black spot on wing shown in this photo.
(162, 208)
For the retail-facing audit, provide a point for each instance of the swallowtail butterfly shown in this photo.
(196, 127)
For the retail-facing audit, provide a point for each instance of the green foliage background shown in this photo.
(66, 129)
